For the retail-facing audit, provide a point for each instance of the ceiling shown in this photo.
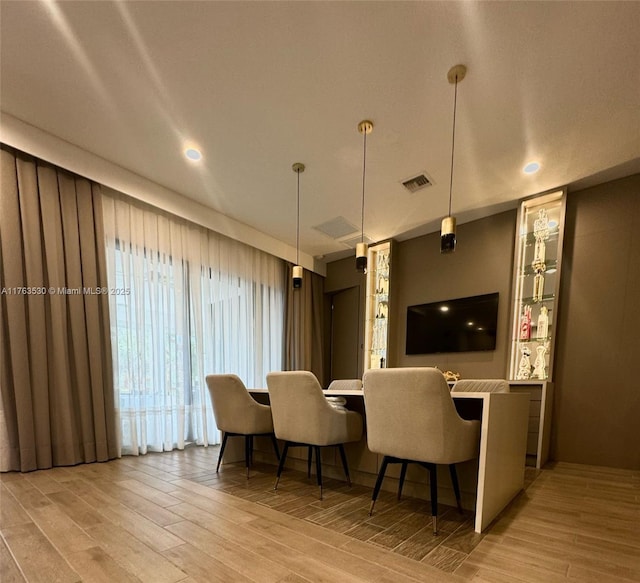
(258, 86)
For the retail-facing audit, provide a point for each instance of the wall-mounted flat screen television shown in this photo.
(459, 325)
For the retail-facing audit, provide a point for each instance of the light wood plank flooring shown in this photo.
(168, 517)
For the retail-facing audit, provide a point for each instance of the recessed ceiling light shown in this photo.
(531, 168)
(444, 308)
(193, 154)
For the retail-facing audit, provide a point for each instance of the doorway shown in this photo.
(345, 334)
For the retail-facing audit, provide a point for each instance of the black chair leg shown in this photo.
(343, 457)
(456, 485)
(247, 452)
(224, 444)
(275, 445)
(319, 468)
(309, 456)
(433, 483)
(281, 464)
(376, 488)
(403, 475)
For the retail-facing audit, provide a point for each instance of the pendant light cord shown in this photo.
(298, 223)
(453, 142)
(364, 171)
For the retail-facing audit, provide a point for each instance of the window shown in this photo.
(184, 303)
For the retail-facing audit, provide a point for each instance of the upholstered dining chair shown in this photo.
(345, 385)
(303, 417)
(237, 413)
(411, 418)
(481, 386)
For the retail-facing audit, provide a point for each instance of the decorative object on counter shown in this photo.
(524, 369)
(451, 376)
(364, 127)
(448, 227)
(297, 268)
(542, 329)
(539, 366)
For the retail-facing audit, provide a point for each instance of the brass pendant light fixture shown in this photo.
(448, 227)
(364, 127)
(298, 272)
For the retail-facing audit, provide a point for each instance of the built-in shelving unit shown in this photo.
(536, 285)
(376, 343)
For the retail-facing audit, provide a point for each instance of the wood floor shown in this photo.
(168, 517)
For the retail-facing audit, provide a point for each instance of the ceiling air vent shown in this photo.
(337, 228)
(417, 182)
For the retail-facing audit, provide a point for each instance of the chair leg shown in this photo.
(281, 464)
(247, 453)
(343, 457)
(403, 475)
(224, 444)
(376, 488)
(433, 483)
(309, 456)
(319, 468)
(275, 445)
(456, 485)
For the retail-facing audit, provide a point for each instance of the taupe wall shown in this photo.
(597, 401)
(482, 263)
(597, 405)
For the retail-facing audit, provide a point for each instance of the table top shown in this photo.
(359, 393)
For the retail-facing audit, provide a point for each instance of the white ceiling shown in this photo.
(261, 85)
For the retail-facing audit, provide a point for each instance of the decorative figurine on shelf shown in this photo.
(540, 234)
(525, 323)
(524, 368)
(539, 366)
(538, 287)
(541, 226)
(542, 330)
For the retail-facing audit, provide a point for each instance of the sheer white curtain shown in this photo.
(184, 302)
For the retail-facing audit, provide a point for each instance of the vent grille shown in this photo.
(337, 228)
(417, 183)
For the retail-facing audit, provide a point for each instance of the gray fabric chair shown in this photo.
(303, 417)
(345, 385)
(481, 386)
(411, 418)
(237, 413)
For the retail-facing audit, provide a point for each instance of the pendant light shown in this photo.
(364, 127)
(297, 268)
(448, 227)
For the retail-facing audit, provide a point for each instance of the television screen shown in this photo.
(460, 325)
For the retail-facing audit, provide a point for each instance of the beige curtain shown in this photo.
(55, 353)
(303, 324)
